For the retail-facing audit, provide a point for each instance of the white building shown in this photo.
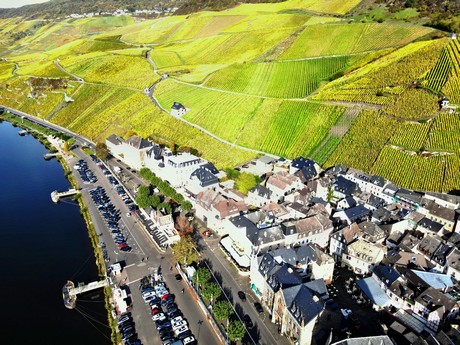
(132, 152)
(362, 256)
(178, 109)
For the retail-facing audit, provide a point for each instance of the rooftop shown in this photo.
(373, 291)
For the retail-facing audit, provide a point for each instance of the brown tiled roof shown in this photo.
(311, 224)
(273, 181)
(229, 207)
(351, 232)
(206, 198)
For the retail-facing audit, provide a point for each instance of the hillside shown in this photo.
(61, 8)
(289, 78)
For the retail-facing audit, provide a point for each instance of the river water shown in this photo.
(44, 245)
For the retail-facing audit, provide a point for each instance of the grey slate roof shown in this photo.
(318, 288)
(386, 274)
(306, 173)
(409, 195)
(261, 191)
(430, 224)
(210, 167)
(138, 142)
(177, 106)
(301, 162)
(205, 177)
(266, 263)
(357, 212)
(114, 139)
(288, 255)
(301, 304)
(283, 276)
(345, 186)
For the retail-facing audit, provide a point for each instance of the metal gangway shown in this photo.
(82, 288)
(55, 195)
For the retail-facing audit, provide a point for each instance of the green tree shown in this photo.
(222, 310)
(246, 181)
(236, 330)
(187, 206)
(184, 251)
(143, 201)
(211, 291)
(232, 173)
(102, 151)
(165, 206)
(201, 276)
(154, 201)
(143, 190)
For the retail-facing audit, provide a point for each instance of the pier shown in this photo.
(55, 195)
(48, 156)
(70, 292)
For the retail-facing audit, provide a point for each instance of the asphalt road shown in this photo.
(143, 260)
(264, 331)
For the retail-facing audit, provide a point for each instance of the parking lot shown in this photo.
(113, 215)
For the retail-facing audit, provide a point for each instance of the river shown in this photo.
(44, 245)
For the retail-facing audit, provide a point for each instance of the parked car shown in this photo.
(247, 321)
(258, 307)
(242, 295)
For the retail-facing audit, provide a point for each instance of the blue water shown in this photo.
(43, 245)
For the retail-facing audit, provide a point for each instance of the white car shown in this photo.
(178, 331)
(159, 316)
(188, 340)
(176, 319)
(161, 293)
(179, 324)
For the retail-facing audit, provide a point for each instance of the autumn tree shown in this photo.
(102, 151)
(183, 226)
(184, 251)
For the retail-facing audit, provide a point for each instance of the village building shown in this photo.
(361, 256)
(178, 109)
(132, 152)
(342, 238)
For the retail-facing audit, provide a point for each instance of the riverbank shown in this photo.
(45, 137)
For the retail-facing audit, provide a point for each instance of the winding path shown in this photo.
(157, 104)
(77, 78)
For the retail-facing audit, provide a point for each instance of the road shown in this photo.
(264, 331)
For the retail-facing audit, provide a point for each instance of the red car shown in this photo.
(165, 296)
(156, 311)
(122, 245)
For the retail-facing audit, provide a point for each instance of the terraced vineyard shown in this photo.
(285, 78)
(275, 79)
(113, 69)
(350, 38)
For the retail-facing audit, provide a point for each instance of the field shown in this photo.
(6, 70)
